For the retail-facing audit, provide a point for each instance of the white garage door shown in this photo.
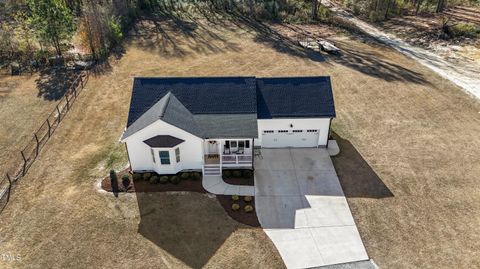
(290, 138)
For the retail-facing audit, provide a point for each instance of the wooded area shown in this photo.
(36, 33)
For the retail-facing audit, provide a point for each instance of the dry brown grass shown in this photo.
(413, 131)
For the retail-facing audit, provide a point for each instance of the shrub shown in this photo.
(235, 207)
(248, 208)
(237, 173)
(137, 176)
(154, 180)
(248, 199)
(113, 175)
(146, 176)
(175, 180)
(226, 174)
(235, 197)
(196, 176)
(247, 174)
(465, 29)
(185, 176)
(163, 179)
(125, 181)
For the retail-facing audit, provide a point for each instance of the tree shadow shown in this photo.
(373, 65)
(174, 36)
(191, 229)
(53, 83)
(269, 36)
(357, 177)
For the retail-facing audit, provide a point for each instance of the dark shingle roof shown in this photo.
(201, 95)
(226, 106)
(294, 97)
(163, 141)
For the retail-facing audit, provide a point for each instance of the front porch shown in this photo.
(234, 153)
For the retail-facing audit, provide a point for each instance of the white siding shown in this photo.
(191, 150)
(321, 124)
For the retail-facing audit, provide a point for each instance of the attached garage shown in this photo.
(294, 112)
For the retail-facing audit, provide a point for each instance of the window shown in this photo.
(241, 144)
(247, 144)
(283, 131)
(177, 154)
(153, 155)
(267, 131)
(233, 144)
(297, 131)
(164, 157)
(312, 131)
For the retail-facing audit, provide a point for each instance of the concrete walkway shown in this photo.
(216, 185)
(463, 74)
(302, 208)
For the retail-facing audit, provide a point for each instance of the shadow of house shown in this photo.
(190, 231)
(53, 83)
(356, 176)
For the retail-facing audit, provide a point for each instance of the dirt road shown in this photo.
(465, 75)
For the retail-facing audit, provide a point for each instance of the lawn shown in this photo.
(409, 164)
(25, 102)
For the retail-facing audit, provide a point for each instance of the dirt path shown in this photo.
(465, 75)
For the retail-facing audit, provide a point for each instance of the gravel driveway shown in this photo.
(302, 208)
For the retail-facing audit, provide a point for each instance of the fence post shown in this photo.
(9, 187)
(49, 127)
(24, 163)
(59, 114)
(38, 143)
(68, 103)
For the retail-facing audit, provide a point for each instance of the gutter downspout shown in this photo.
(329, 131)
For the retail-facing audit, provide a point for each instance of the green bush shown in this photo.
(163, 179)
(116, 34)
(113, 175)
(154, 180)
(235, 207)
(465, 29)
(196, 176)
(147, 176)
(226, 174)
(248, 208)
(184, 176)
(247, 174)
(125, 181)
(137, 176)
(235, 197)
(174, 180)
(237, 173)
(248, 199)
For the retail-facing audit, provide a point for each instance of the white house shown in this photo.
(215, 123)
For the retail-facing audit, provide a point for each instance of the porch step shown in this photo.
(212, 170)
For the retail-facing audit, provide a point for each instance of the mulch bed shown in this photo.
(240, 215)
(239, 181)
(146, 186)
(194, 186)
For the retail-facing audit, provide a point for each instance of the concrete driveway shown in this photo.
(301, 206)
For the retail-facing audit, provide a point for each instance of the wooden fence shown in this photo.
(25, 158)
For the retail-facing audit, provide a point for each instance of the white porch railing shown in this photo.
(236, 159)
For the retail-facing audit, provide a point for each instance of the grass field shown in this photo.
(409, 161)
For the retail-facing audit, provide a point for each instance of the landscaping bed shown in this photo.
(238, 177)
(239, 213)
(152, 182)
